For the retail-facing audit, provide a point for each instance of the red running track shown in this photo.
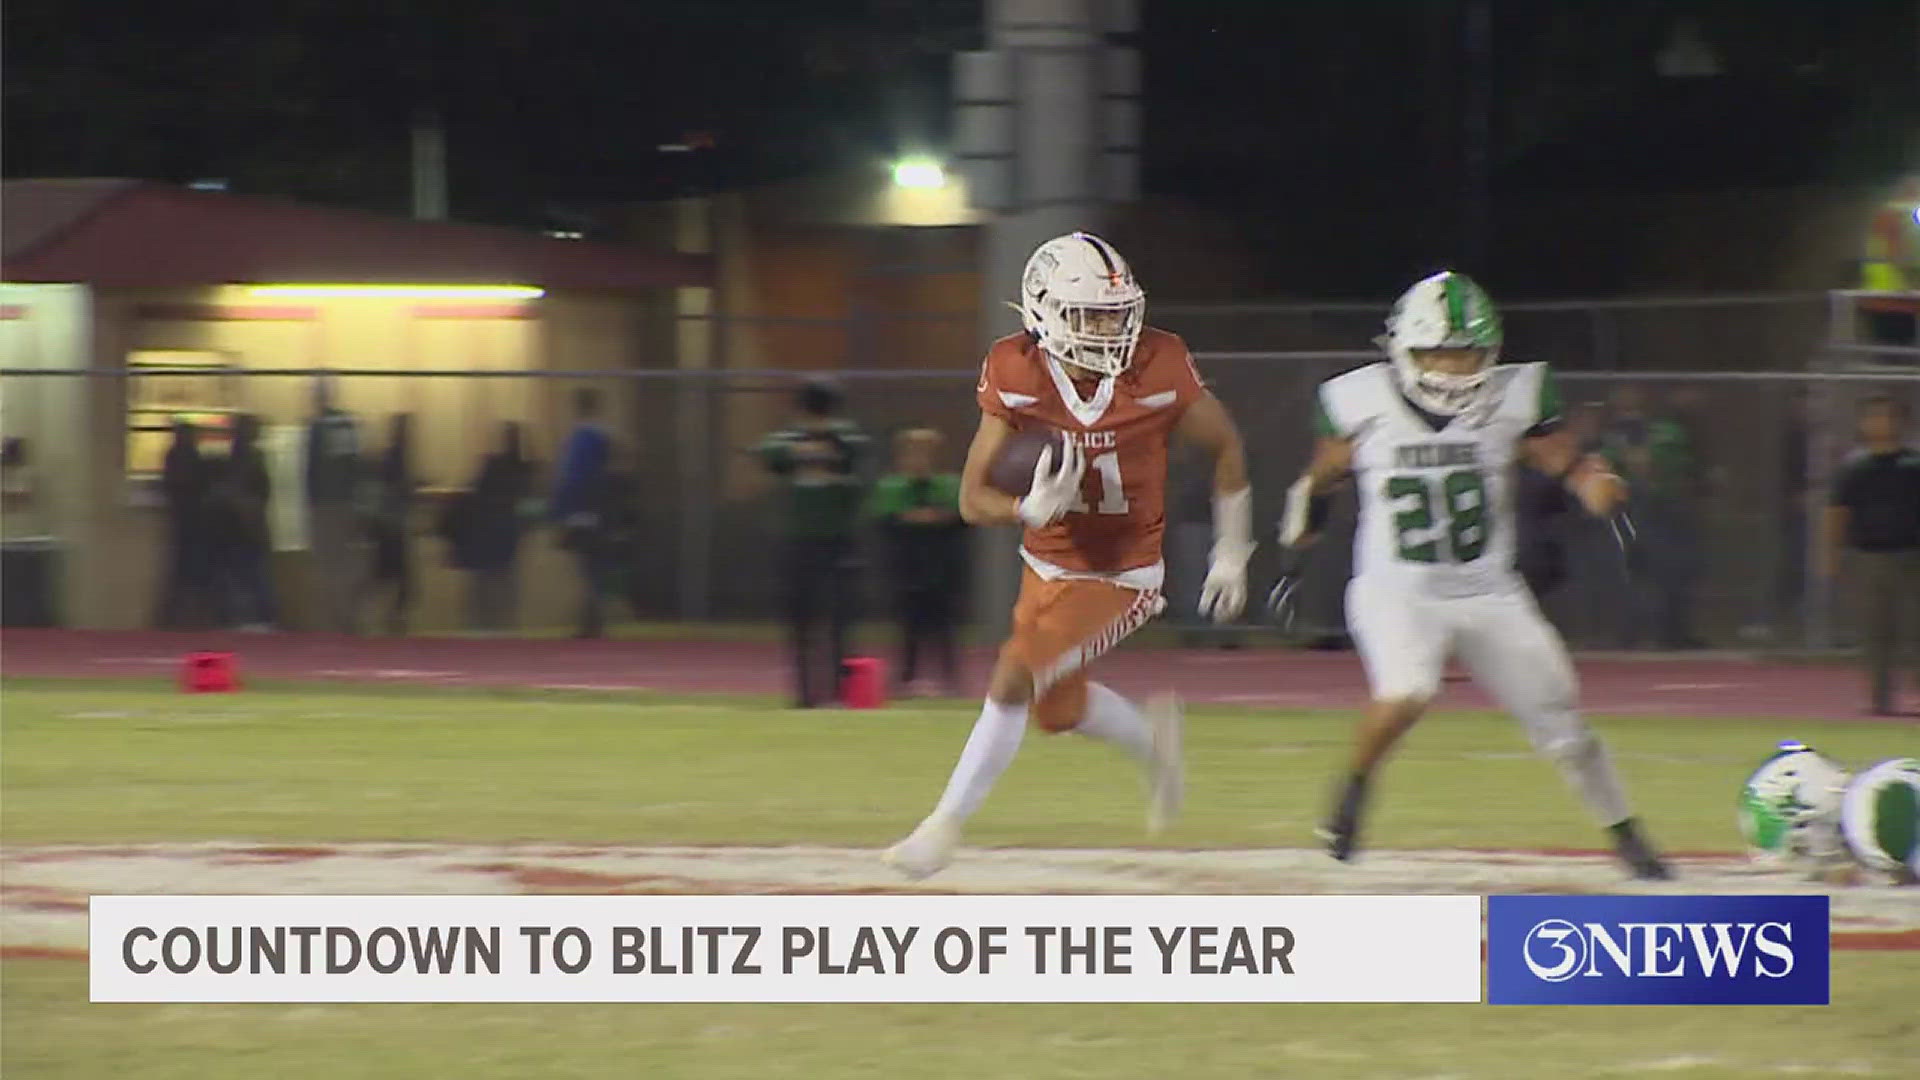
(1678, 686)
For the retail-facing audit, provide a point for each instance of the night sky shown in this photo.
(556, 108)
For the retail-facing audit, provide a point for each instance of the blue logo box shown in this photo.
(1658, 950)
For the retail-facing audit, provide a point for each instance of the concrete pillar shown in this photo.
(1047, 135)
(696, 325)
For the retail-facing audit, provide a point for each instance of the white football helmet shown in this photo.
(1079, 301)
(1880, 818)
(1790, 807)
(1445, 311)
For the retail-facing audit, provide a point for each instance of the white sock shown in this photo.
(1113, 719)
(989, 750)
(1589, 771)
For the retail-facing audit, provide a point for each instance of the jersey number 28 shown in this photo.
(1463, 499)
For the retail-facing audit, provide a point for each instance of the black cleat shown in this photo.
(1341, 833)
(1634, 850)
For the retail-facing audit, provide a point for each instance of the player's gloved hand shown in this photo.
(1224, 594)
(1055, 487)
(1626, 537)
(1599, 489)
(1284, 601)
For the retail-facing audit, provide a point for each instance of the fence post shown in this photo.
(696, 582)
(1822, 453)
(695, 435)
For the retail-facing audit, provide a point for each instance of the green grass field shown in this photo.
(101, 764)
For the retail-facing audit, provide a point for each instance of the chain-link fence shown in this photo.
(1730, 491)
(1718, 333)
(1751, 436)
(1726, 512)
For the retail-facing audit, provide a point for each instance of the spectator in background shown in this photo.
(578, 507)
(1542, 508)
(620, 532)
(1595, 582)
(240, 492)
(1874, 514)
(16, 468)
(918, 511)
(389, 511)
(1587, 424)
(819, 458)
(333, 478)
(487, 534)
(1656, 457)
(1688, 481)
(186, 585)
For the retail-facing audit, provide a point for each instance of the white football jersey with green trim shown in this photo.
(1437, 493)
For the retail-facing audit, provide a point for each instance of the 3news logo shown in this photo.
(1657, 950)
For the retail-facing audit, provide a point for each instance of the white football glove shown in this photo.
(1224, 593)
(1054, 488)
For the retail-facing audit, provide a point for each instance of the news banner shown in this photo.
(1502, 950)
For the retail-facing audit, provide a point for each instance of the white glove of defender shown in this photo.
(1224, 594)
(1054, 490)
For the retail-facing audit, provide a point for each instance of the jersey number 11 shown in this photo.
(1113, 493)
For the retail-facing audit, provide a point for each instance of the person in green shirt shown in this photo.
(819, 460)
(1657, 457)
(918, 512)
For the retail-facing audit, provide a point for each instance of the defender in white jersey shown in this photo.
(1431, 436)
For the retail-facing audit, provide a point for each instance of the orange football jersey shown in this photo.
(1124, 426)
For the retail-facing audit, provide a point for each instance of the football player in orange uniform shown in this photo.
(1087, 366)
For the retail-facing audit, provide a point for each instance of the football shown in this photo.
(1012, 468)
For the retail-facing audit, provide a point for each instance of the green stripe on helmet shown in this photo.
(1765, 829)
(1456, 305)
(1896, 820)
(1471, 320)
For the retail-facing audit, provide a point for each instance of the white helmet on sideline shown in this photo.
(1880, 818)
(1789, 810)
(1079, 301)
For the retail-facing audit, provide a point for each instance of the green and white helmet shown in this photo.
(1790, 806)
(1446, 311)
(1880, 818)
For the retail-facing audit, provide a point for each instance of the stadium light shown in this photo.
(919, 173)
(397, 292)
